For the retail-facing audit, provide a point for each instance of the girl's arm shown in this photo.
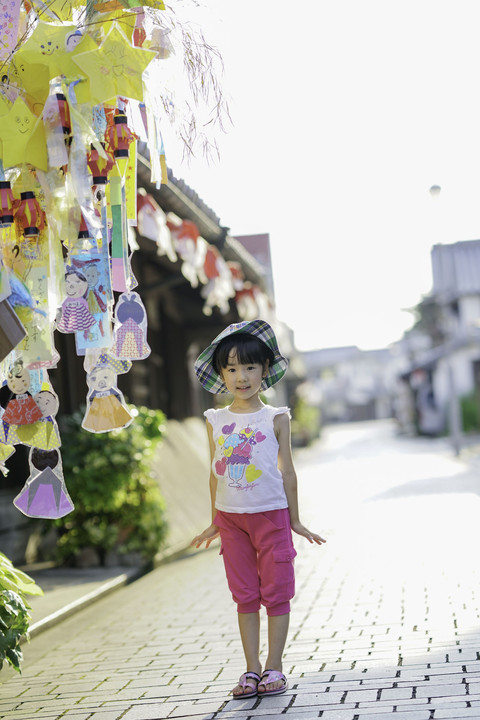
(285, 464)
(208, 535)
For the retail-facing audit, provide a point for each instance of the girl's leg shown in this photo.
(277, 637)
(240, 560)
(249, 625)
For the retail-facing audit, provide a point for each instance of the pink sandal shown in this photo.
(271, 676)
(245, 682)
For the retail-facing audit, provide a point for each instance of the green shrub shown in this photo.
(118, 506)
(14, 615)
(305, 423)
(470, 413)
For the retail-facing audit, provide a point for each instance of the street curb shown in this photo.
(84, 601)
(166, 556)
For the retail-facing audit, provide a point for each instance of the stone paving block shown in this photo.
(456, 713)
(191, 710)
(447, 690)
(326, 698)
(361, 695)
(402, 715)
(398, 693)
(154, 711)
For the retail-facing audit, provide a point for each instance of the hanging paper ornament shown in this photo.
(44, 433)
(58, 127)
(64, 117)
(6, 203)
(245, 300)
(94, 268)
(139, 35)
(29, 216)
(115, 68)
(99, 165)
(21, 409)
(9, 20)
(74, 314)
(131, 331)
(152, 224)
(5, 452)
(106, 409)
(119, 137)
(44, 495)
(190, 246)
(23, 137)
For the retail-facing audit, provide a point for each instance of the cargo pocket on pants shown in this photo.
(284, 573)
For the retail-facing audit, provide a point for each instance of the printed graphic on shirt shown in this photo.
(236, 448)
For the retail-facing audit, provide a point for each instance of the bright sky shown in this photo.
(344, 114)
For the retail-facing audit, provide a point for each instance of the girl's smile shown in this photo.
(243, 380)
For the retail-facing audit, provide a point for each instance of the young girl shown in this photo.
(253, 486)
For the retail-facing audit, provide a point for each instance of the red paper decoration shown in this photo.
(29, 216)
(6, 203)
(120, 136)
(99, 166)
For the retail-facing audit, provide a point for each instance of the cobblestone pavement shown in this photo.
(385, 622)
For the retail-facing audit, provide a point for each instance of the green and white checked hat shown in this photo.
(213, 382)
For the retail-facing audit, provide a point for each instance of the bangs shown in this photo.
(248, 349)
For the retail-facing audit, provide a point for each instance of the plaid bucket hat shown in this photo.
(213, 382)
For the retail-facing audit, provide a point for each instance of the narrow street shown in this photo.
(385, 621)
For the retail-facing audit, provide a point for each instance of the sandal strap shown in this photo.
(271, 676)
(243, 680)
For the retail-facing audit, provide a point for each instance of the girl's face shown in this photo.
(243, 380)
(75, 287)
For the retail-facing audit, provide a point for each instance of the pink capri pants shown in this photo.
(258, 553)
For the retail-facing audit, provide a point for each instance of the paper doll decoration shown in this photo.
(95, 294)
(131, 328)
(75, 314)
(106, 408)
(95, 270)
(44, 495)
(21, 408)
(44, 433)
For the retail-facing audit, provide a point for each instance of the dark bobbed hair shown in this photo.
(42, 459)
(248, 349)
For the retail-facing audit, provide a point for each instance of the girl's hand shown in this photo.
(207, 537)
(311, 537)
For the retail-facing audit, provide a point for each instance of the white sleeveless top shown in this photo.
(246, 460)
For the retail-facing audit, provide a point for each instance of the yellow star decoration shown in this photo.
(32, 79)
(115, 68)
(23, 137)
(47, 45)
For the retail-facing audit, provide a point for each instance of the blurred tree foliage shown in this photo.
(118, 506)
